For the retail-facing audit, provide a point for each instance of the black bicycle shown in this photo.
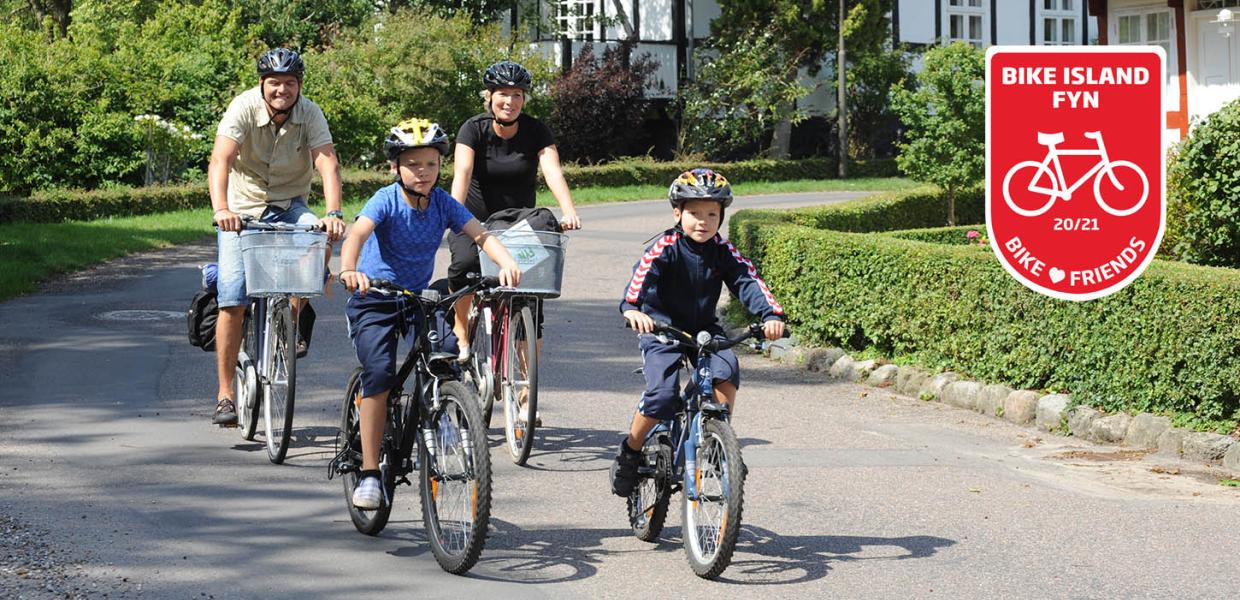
(697, 453)
(431, 409)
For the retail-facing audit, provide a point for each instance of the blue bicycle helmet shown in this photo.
(280, 61)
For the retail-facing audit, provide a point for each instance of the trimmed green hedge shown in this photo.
(952, 236)
(1166, 343)
(78, 205)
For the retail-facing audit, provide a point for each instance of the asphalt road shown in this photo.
(106, 445)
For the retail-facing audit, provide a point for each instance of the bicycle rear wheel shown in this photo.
(649, 501)
(481, 368)
(520, 382)
(369, 522)
(712, 521)
(456, 481)
(281, 382)
(245, 380)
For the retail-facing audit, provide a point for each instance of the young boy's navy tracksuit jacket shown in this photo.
(678, 280)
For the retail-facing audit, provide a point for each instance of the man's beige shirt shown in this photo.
(273, 165)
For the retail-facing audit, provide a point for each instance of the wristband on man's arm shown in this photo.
(339, 214)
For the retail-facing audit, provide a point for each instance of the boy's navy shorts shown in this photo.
(376, 324)
(661, 364)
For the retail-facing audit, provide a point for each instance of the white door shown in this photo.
(1215, 77)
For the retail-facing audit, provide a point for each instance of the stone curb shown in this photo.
(1055, 413)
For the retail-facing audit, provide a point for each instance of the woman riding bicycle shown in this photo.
(498, 154)
(408, 219)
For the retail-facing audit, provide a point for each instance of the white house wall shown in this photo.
(704, 11)
(917, 21)
(655, 20)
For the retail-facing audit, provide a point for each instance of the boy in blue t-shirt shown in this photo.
(408, 219)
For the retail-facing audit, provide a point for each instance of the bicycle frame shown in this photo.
(686, 428)
(500, 305)
(1059, 188)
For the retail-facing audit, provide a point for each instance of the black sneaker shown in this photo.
(624, 470)
(225, 413)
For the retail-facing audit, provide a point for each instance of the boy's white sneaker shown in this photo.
(368, 494)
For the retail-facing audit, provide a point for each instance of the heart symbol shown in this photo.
(1057, 274)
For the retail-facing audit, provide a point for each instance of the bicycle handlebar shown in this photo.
(753, 330)
(253, 224)
(433, 297)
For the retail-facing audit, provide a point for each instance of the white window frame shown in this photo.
(966, 13)
(1059, 16)
(578, 20)
(1217, 4)
(1172, 85)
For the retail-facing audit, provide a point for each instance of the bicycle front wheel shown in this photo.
(456, 480)
(712, 521)
(281, 382)
(1131, 193)
(481, 369)
(520, 386)
(349, 440)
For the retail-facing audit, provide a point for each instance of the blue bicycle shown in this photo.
(697, 453)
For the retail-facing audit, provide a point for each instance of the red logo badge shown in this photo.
(1075, 168)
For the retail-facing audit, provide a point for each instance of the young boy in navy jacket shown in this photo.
(678, 280)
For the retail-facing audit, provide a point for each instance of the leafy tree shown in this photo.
(597, 106)
(738, 97)
(805, 32)
(872, 124)
(303, 24)
(945, 116)
(408, 64)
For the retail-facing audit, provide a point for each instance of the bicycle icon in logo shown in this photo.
(1113, 170)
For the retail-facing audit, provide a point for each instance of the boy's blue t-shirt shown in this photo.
(403, 245)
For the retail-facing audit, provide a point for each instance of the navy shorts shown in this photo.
(661, 364)
(376, 324)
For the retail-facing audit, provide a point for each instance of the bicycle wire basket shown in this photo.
(539, 255)
(284, 262)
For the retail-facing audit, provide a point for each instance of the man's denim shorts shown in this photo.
(230, 288)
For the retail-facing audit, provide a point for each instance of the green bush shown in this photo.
(67, 106)
(1166, 343)
(1203, 192)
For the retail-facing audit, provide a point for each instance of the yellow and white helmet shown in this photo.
(415, 133)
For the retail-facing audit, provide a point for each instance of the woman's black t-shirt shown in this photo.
(505, 171)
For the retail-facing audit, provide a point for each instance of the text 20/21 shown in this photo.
(1082, 224)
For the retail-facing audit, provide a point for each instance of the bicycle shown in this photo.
(503, 335)
(442, 417)
(283, 261)
(696, 453)
(1058, 185)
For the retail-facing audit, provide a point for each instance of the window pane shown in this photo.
(955, 27)
(975, 27)
(1067, 4)
(1048, 4)
(976, 3)
(1049, 31)
(1164, 26)
(1128, 30)
(1069, 31)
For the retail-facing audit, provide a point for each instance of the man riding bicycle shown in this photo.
(268, 144)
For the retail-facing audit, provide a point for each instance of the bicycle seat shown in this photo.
(1050, 139)
(1093, 135)
(442, 364)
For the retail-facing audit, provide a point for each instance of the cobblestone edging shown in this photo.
(1053, 413)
